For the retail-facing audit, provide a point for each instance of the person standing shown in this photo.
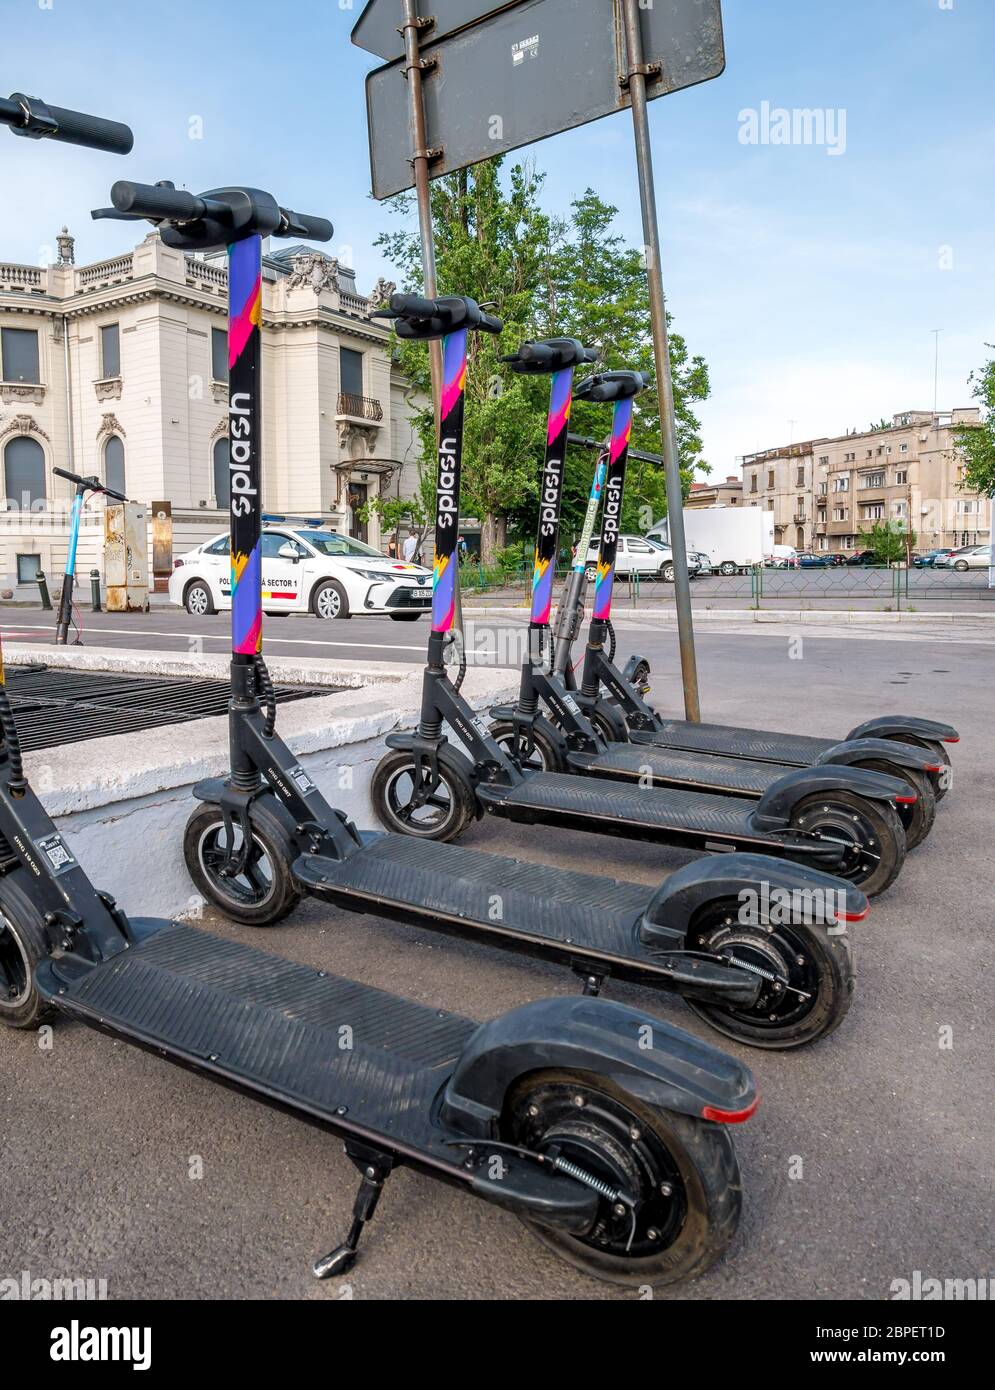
(410, 547)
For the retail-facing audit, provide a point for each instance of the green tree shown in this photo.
(889, 540)
(977, 442)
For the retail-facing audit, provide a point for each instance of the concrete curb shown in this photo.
(644, 616)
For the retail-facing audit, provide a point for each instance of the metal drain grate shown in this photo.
(58, 707)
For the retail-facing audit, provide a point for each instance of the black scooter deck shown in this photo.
(653, 766)
(635, 811)
(798, 750)
(273, 1028)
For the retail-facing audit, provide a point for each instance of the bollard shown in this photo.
(46, 598)
(95, 590)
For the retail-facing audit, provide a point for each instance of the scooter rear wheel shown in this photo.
(941, 781)
(872, 832)
(443, 815)
(22, 946)
(266, 892)
(679, 1174)
(544, 755)
(922, 815)
(815, 972)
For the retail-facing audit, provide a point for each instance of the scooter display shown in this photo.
(264, 836)
(587, 734)
(602, 1128)
(82, 487)
(838, 818)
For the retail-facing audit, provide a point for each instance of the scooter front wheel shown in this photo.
(258, 891)
(806, 976)
(405, 803)
(669, 1184)
(22, 946)
(869, 832)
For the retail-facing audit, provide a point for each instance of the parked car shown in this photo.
(809, 560)
(930, 558)
(781, 557)
(650, 559)
(698, 564)
(862, 557)
(306, 570)
(969, 557)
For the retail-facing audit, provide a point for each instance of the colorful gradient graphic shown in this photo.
(598, 482)
(618, 449)
(451, 424)
(544, 562)
(244, 320)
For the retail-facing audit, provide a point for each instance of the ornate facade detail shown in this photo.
(23, 424)
(314, 271)
(220, 430)
(11, 392)
(356, 441)
(381, 292)
(110, 424)
(219, 390)
(67, 248)
(109, 389)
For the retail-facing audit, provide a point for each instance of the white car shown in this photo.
(650, 559)
(969, 557)
(306, 570)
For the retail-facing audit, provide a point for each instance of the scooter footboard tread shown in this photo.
(468, 885)
(274, 1026)
(678, 765)
(763, 744)
(667, 808)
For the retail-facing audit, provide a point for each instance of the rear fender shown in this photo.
(760, 886)
(774, 810)
(632, 665)
(859, 750)
(643, 1056)
(895, 725)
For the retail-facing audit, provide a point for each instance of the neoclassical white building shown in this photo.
(119, 369)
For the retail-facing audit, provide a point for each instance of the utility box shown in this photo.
(162, 545)
(126, 557)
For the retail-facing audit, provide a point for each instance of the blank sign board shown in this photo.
(378, 27)
(527, 72)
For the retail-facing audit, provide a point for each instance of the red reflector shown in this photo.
(907, 800)
(853, 916)
(729, 1117)
(934, 767)
(954, 738)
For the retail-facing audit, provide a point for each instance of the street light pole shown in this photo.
(636, 76)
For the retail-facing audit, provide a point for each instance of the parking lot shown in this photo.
(869, 1158)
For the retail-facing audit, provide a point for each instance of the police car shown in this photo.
(306, 570)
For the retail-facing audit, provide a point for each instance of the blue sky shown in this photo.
(809, 281)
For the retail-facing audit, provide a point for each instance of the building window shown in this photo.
(219, 354)
(824, 459)
(24, 473)
(114, 464)
(753, 482)
(222, 474)
(903, 448)
(872, 480)
(801, 475)
(841, 485)
(19, 350)
(874, 512)
(350, 372)
(901, 476)
(28, 568)
(110, 350)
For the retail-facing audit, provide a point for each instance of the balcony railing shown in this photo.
(359, 407)
(21, 277)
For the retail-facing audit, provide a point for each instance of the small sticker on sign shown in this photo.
(525, 48)
(301, 780)
(53, 847)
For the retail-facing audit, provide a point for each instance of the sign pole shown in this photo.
(420, 159)
(636, 75)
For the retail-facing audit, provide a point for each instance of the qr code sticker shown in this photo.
(56, 853)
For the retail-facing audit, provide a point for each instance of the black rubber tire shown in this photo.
(919, 820)
(269, 833)
(828, 973)
(941, 781)
(209, 606)
(405, 617)
(330, 586)
(608, 722)
(546, 755)
(22, 946)
(705, 1158)
(727, 569)
(666, 572)
(459, 793)
(878, 818)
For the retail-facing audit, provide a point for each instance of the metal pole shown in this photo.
(661, 352)
(420, 164)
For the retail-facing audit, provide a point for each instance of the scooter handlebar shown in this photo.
(303, 224)
(31, 117)
(92, 484)
(158, 202)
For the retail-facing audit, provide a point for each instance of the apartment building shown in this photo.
(120, 369)
(727, 494)
(825, 492)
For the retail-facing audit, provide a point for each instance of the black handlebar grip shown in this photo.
(491, 324)
(538, 353)
(73, 477)
(149, 200)
(109, 492)
(78, 128)
(303, 224)
(414, 306)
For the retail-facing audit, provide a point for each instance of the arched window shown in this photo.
(24, 473)
(222, 474)
(114, 464)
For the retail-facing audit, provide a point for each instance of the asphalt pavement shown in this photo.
(869, 1158)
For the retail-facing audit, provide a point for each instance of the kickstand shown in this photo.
(376, 1169)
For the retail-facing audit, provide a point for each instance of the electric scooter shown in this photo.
(841, 819)
(704, 754)
(264, 836)
(602, 1128)
(82, 486)
(586, 735)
